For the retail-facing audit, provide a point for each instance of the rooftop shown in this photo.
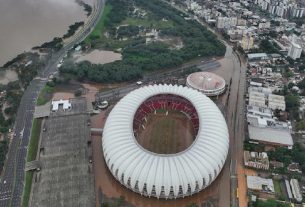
(271, 135)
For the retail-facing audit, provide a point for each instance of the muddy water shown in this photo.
(28, 23)
(7, 76)
(99, 57)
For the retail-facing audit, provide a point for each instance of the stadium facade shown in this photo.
(165, 175)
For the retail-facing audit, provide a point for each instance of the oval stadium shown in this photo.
(208, 83)
(165, 141)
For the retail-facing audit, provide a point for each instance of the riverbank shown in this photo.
(45, 19)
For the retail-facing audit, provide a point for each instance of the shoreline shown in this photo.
(84, 7)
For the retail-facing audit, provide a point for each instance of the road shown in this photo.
(12, 182)
(159, 77)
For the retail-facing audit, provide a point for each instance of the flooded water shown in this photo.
(99, 57)
(7, 76)
(28, 23)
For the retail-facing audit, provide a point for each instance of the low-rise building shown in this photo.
(257, 99)
(269, 131)
(276, 102)
(259, 111)
(256, 183)
(294, 167)
(65, 104)
(296, 191)
(276, 164)
(256, 160)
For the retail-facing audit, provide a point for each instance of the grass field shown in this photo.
(45, 95)
(148, 23)
(167, 134)
(31, 155)
(278, 190)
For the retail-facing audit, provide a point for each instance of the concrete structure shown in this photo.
(257, 99)
(208, 83)
(57, 104)
(257, 56)
(65, 177)
(256, 160)
(289, 193)
(271, 136)
(294, 167)
(264, 90)
(295, 51)
(276, 102)
(247, 42)
(259, 111)
(296, 191)
(226, 22)
(165, 175)
(260, 184)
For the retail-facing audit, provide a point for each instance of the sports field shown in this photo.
(166, 134)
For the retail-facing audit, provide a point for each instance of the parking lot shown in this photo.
(65, 178)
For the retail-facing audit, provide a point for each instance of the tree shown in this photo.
(300, 125)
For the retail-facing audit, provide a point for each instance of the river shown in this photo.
(28, 23)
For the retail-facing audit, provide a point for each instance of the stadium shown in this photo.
(208, 83)
(173, 172)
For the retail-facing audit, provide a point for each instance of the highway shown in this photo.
(12, 178)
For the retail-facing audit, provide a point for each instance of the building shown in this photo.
(276, 102)
(259, 111)
(172, 175)
(271, 136)
(247, 41)
(64, 104)
(289, 193)
(208, 83)
(294, 167)
(256, 160)
(257, 99)
(226, 22)
(296, 191)
(295, 51)
(257, 56)
(256, 183)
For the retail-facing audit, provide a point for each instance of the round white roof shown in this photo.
(161, 175)
(205, 81)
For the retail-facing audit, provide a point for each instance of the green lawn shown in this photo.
(27, 189)
(278, 190)
(99, 28)
(157, 24)
(45, 95)
(31, 155)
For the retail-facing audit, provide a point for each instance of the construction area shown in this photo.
(65, 176)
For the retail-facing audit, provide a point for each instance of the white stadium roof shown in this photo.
(165, 175)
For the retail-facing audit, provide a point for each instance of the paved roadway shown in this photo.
(159, 77)
(12, 181)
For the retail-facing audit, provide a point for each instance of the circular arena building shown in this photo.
(172, 175)
(208, 83)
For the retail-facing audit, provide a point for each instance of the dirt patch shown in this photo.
(166, 133)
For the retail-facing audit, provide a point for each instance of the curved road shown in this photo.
(13, 175)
